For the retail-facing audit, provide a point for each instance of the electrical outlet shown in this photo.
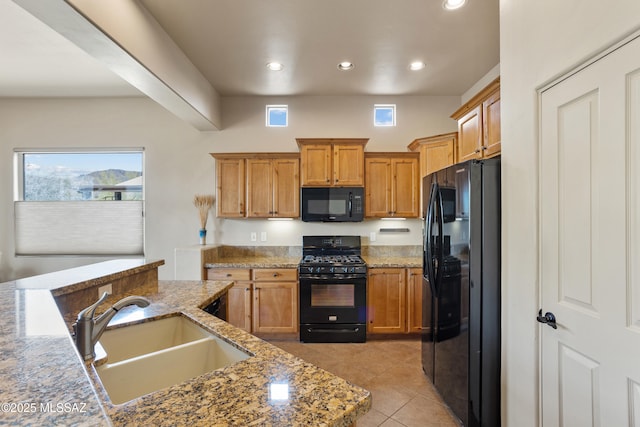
(372, 236)
(263, 236)
(108, 288)
(254, 237)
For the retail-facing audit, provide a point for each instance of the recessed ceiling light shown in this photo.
(417, 65)
(275, 66)
(345, 66)
(453, 4)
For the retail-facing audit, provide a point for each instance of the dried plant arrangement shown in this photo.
(203, 202)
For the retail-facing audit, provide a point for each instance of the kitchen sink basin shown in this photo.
(163, 354)
(144, 338)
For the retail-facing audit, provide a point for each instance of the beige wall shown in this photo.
(178, 164)
(540, 39)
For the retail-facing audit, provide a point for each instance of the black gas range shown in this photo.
(333, 290)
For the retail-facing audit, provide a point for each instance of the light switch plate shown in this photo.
(254, 236)
(372, 236)
(263, 236)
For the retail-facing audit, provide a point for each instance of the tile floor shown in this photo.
(390, 370)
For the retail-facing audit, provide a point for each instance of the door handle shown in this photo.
(548, 318)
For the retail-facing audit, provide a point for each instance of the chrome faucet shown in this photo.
(87, 330)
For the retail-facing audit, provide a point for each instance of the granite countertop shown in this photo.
(393, 261)
(44, 382)
(287, 262)
(255, 262)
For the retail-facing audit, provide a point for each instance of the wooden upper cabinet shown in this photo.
(479, 124)
(273, 188)
(268, 184)
(470, 135)
(436, 152)
(316, 164)
(230, 187)
(491, 124)
(392, 185)
(332, 162)
(348, 165)
(286, 188)
(260, 185)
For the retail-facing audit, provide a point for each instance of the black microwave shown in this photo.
(332, 204)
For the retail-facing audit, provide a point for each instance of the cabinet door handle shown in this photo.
(247, 289)
(275, 274)
(477, 151)
(229, 275)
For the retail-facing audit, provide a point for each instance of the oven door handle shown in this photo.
(332, 278)
(340, 331)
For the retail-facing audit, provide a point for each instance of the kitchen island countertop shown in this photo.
(44, 382)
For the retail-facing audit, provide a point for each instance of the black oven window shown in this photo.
(332, 295)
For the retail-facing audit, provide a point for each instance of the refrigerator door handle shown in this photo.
(440, 239)
(428, 247)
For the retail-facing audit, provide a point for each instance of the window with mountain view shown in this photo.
(79, 203)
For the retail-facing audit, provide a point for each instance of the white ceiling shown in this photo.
(230, 42)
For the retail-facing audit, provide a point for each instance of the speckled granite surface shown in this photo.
(255, 262)
(393, 261)
(278, 257)
(44, 382)
(375, 261)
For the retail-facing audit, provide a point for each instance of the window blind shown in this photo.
(79, 228)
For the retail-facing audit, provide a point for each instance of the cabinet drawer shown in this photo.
(275, 274)
(229, 274)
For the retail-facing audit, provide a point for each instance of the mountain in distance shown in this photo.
(109, 176)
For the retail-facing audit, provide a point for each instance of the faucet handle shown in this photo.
(89, 312)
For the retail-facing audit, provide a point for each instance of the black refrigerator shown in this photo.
(461, 289)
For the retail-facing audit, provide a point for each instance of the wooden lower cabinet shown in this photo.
(414, 300)
(239, 305)
(262, 300)
(394, 300)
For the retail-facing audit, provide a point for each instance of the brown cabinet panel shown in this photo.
(275, 306)
(386, 300)
(260, 188)
(348, 165)
(479, 124)
(229, 274)
(275, 274)
(286, 191)
(414, 300)
(377, 187)
(470, 135)
(337, 162)
(239, 305)
(316, 164)
(405, 191)
(392, 185)
(436, 152)
(230, 188)
(491, 124)
(394, 300)
(266, 304)
(268, 184)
